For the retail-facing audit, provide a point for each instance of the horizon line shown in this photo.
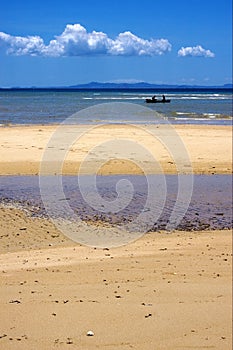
(123, 84)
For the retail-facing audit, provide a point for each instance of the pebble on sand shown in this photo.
(90, 333)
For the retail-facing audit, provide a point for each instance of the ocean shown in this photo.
(52, 106)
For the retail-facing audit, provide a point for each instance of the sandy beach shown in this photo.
(209, 149)
(164, 291)
(116, 184)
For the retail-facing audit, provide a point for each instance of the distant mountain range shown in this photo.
(142, 85)
(138, 85)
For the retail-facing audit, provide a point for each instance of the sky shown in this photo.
(63, 43)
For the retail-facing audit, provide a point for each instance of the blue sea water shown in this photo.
(52, 106)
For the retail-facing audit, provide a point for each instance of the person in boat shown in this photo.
(154, 98)
(163, 98)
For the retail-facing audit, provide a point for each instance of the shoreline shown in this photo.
(23, 233)
(208, 148)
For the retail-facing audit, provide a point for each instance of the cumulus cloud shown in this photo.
(31, 45)
(195, 51)
(131, 45)
(76, 41)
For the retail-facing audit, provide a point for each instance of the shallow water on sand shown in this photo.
(210, 206)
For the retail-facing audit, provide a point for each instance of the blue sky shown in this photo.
(56, 43)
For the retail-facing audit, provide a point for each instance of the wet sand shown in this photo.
(210, 205)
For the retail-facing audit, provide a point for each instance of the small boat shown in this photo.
(151, 100)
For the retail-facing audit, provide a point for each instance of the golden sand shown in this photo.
(209, 149)
(164, 291)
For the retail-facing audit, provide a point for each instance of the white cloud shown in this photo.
(195, 51)
(130, 45)
(31, 45)
(76, 41)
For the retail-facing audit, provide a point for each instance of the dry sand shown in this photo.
(209, 149)
(164, 291)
